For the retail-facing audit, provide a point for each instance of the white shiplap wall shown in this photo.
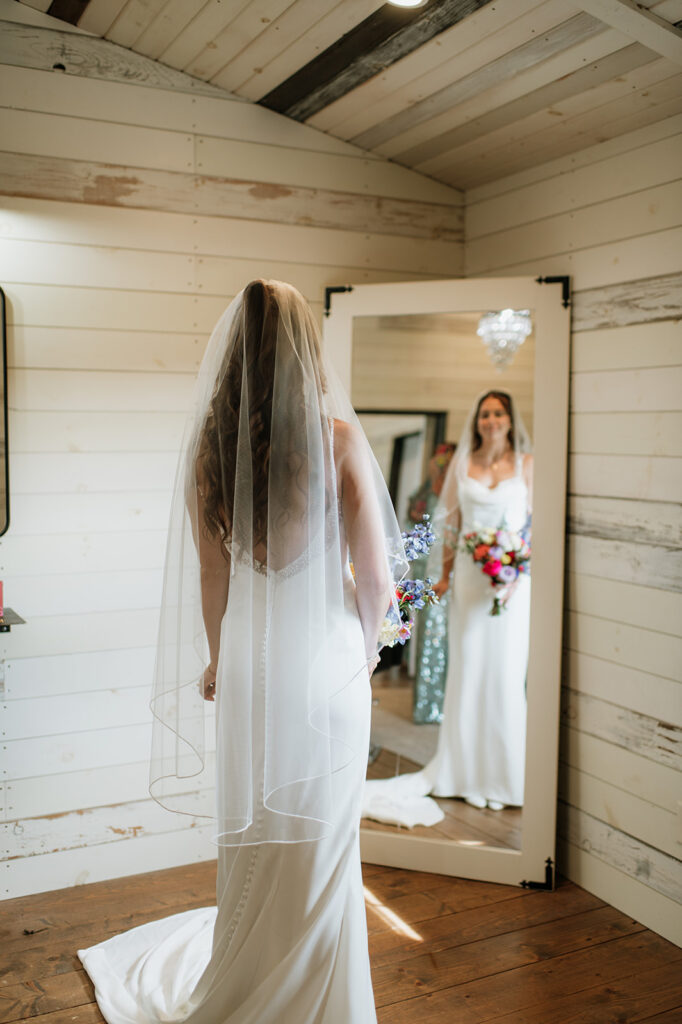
(112, 290)
(611, 217)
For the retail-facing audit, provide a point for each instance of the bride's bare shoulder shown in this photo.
(347, 436)
(348, 446)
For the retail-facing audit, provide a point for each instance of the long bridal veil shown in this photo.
(259, 440)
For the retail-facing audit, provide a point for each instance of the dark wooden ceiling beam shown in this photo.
(385, 37)
(68, 10)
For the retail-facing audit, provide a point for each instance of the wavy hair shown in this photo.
(253, 341)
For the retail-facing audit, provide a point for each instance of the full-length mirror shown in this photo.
(4, 445)
(453, 383)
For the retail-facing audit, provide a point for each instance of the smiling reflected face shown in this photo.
(493, 422)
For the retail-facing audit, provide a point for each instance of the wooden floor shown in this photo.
(452, 951)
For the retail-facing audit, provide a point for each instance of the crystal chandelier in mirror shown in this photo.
(503, 332)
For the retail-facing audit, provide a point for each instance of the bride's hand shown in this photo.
(208, 684)
(441, 587)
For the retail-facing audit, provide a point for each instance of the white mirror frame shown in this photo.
(533, 864)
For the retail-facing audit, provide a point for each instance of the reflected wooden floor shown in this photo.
(461, 824)
(443, 950)
(393, 728)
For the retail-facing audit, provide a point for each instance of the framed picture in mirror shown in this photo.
(462, 389)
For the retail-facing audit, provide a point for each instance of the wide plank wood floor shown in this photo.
(452, 951)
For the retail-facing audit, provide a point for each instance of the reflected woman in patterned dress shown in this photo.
(432, 624)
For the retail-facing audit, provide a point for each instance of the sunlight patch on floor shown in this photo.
(390, 918)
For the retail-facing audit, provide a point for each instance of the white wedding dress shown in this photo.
(287, 943)
(482, 738)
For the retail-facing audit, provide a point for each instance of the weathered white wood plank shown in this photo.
(55, 135)
(73, 431)
(35, 678)
(629, 895)
(42, 873)
(253, 161)
(78, 472)
(622, 685)
(93, 826)
(641, 564)
(69, 348)
(92, 308)
(638, 23)
(89, 552)
(647, 607)
(625, 433)
(645, 168)
(213, 274)
(633, 301)
(43, 220)
(219, 115)
(100, 15)
(641, 734)
(623, 476)
(641, 138)
(132, 20)
(38, 5)
(637, 346)
(99, 631)
(84, 592)
(655, 783)
(642, 649)
(575, 56)
(210, 20)
(645, 522)
(79, 513)
(231, 46)
(167, 26)
(31, 47)
(600, 265)
(45, 177)
(80, 266)
(474, 93)
(640, 213)
(641, 390)
(76, 390)
(71, 791)
(50, 263)
(472, 45)
(59, 716)
(273, 63)
(631, 856)
(81, 751)
(620, 810)
(621, 103)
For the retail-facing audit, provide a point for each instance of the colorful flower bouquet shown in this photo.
(411, 595)
(503, 555)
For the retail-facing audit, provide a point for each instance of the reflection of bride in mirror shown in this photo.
(481, 743)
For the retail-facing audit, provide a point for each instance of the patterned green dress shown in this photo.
(432, 630)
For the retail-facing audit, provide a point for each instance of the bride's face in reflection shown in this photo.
(493, 422)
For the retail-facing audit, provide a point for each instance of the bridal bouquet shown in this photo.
(411, 595)
(502, 554)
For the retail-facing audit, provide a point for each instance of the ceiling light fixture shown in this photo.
(503, 333)
(407, 3)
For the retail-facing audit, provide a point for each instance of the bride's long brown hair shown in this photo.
(254, 338)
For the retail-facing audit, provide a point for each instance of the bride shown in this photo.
(263, 621)
(481, 741)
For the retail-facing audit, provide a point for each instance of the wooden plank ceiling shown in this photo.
(464, 91)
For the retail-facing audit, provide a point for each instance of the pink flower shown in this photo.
(492, 568)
